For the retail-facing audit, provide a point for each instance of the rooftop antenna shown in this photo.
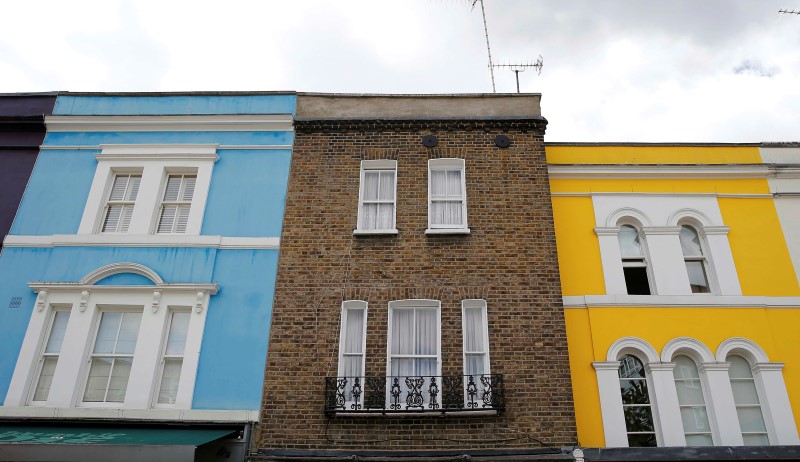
(781, 11)
(517, 68)
(488, 48)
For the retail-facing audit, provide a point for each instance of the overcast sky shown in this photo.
(614, 70)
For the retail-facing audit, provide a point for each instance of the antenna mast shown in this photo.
(517, 68)
(779, 11)
(488, 49)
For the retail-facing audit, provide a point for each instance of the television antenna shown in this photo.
(488, 48)
(517, 68)
(779, 11)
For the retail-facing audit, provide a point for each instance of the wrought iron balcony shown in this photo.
(420, 394)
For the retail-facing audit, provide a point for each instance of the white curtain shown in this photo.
(446, 197)
(378, 200)
(474, 348)
(352, 349)
(415, 333)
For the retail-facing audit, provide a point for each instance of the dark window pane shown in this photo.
(634, 392)
(638, 419)
(636, 280)
(630, 367)
(642, 441)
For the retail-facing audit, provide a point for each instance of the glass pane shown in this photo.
(387, 186)
(426, 367)
(685, 368)
(439, 213)
(427, 332)
(128, 331)
(173, 188)
(167, 219)
(473, 330)
(699, 440)
(690, 242)
(170, 378)
(354, 331)
(629, 245)
(744, 392)
(695, 419)
(454, 215)
(402, 330)
(113, 214)
(438, 183)
(454, 183)
(125, 219)
(697, 277)
(370, 192)
(751, 419)
(107, 333)
(351, 366)
(475, 364)
(642, 441)
(402, 367)
(188, 188)
(740, 368)
(98, 379)
(689, 392)
(634, 391)
(118, 188)
(630, 367)
(756, 440)
(385, 219)
(178, 329)
(638, 419)
(45, 379)
(133, 188)
(182, 219)
(57, 332)
(369, 216)
(119, 380)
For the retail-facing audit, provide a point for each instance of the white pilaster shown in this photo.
(68, 379)
(666, 410)
(666, 260)
(720, 404)
(721, 259)
(27, 361)
(148, 352)
(775, 404)
(612, 261)
(611, 403)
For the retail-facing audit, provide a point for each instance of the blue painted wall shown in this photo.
(175, 105)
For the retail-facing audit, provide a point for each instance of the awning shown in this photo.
(122, 444)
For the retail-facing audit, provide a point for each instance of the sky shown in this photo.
(614, 70)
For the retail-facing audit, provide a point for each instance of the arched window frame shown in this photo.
(708, 264)
(645, 257)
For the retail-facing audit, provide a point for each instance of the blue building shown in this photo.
(141, 269)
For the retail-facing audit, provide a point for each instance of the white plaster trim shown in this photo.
(611, 403)
(622, 215)
(679, 301)
(173, 123)
(658, 171)
(182, 415)
(723, 195)
(743, 347)
(53, 287)
(679, 215)
(661, 230)
(688, 346)
(145, 152)
(117, 268)
(222, 147)
(374, 232)
(143, 240)
(447, 231)
(625, 344)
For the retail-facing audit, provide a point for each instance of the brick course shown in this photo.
(509, 259)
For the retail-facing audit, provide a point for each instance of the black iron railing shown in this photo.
(387, 395)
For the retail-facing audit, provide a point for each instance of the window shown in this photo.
(694, 414)
(50, 355)
(447, 198)
(121, 200)
(376, 211)
(176, 204)
(112, 357)
(352, 344)
(748, 405)
(636, 403)
(476, 338)
(172, 361)
(634, 263)
(696, 265)
(414, 343)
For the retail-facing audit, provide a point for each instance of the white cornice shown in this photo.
(148, 240)
(167, 123)
(222, 147)
(658, 171)
(679, 301)
(675, 194)
(158, 152)
(177, 415)
(53, 287)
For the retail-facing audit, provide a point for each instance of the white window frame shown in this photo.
(53, 312)
(637, 262)
(157, 388)
(123, 202)
(379, 165)
(155, 162)
(447, 164)
(481, 305)
(86, 301)
(708, 264)
(178, 202)
(348, 305)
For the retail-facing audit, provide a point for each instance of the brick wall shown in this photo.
(509, 259)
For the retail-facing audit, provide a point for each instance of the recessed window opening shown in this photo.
(121, 200)
(636, 403)
(634, 264)
(694, 414)
(748, 405)
(172, 361)
(176, 204)
(112, 357)
(695, 260)
(52, 349)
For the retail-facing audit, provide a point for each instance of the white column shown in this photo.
(611, 403)
(720, 404)
(721, 260)
(775, 404)
(191, 352)
(69, 377)
(148, 353)
(29, 354)
(666, 260)
(666, 410)
(146, 210)
(612, 262)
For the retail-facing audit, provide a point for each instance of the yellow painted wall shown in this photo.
(578, 248)
(653, 154)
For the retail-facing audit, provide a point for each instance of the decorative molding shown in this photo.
(374, 232)
(687, 346)
(159, 152)
(84, 300)
(187, 415)
(677, 194)
(624, 344)
(702, 368)
(170, 123)
(605, 365)
(156, 301)
(117, 268)
(715, 230)
(623, 215)
(660, 366)
(222, 147)
(658, 171)
(199, 302)
(698, 216)
(52, 287)
(447, 231)
(742, 346)
(607, 230)
(679, 301)
(661, 230)
(142, 240)
(761, 367)
(41, 300)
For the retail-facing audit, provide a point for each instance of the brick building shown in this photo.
(418, 305)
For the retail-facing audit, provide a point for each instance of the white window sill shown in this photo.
(447, 231)
(374, 232)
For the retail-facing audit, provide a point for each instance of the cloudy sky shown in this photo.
(614, 70)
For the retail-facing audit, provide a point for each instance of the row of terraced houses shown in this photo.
(263, 276)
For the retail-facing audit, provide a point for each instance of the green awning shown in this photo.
(111, 435)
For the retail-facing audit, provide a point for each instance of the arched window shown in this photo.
(634, 263)
(636, 403)
(748, 406)
(696, 265)
(692, 402)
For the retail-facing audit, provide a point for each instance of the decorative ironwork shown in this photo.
(414, 394)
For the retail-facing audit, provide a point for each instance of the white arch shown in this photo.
(741, 346)
(618, 215)
(627, 345)
(693, 348)
(694, 216)
(118, 268)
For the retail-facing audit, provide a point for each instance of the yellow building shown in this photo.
(679, 268)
